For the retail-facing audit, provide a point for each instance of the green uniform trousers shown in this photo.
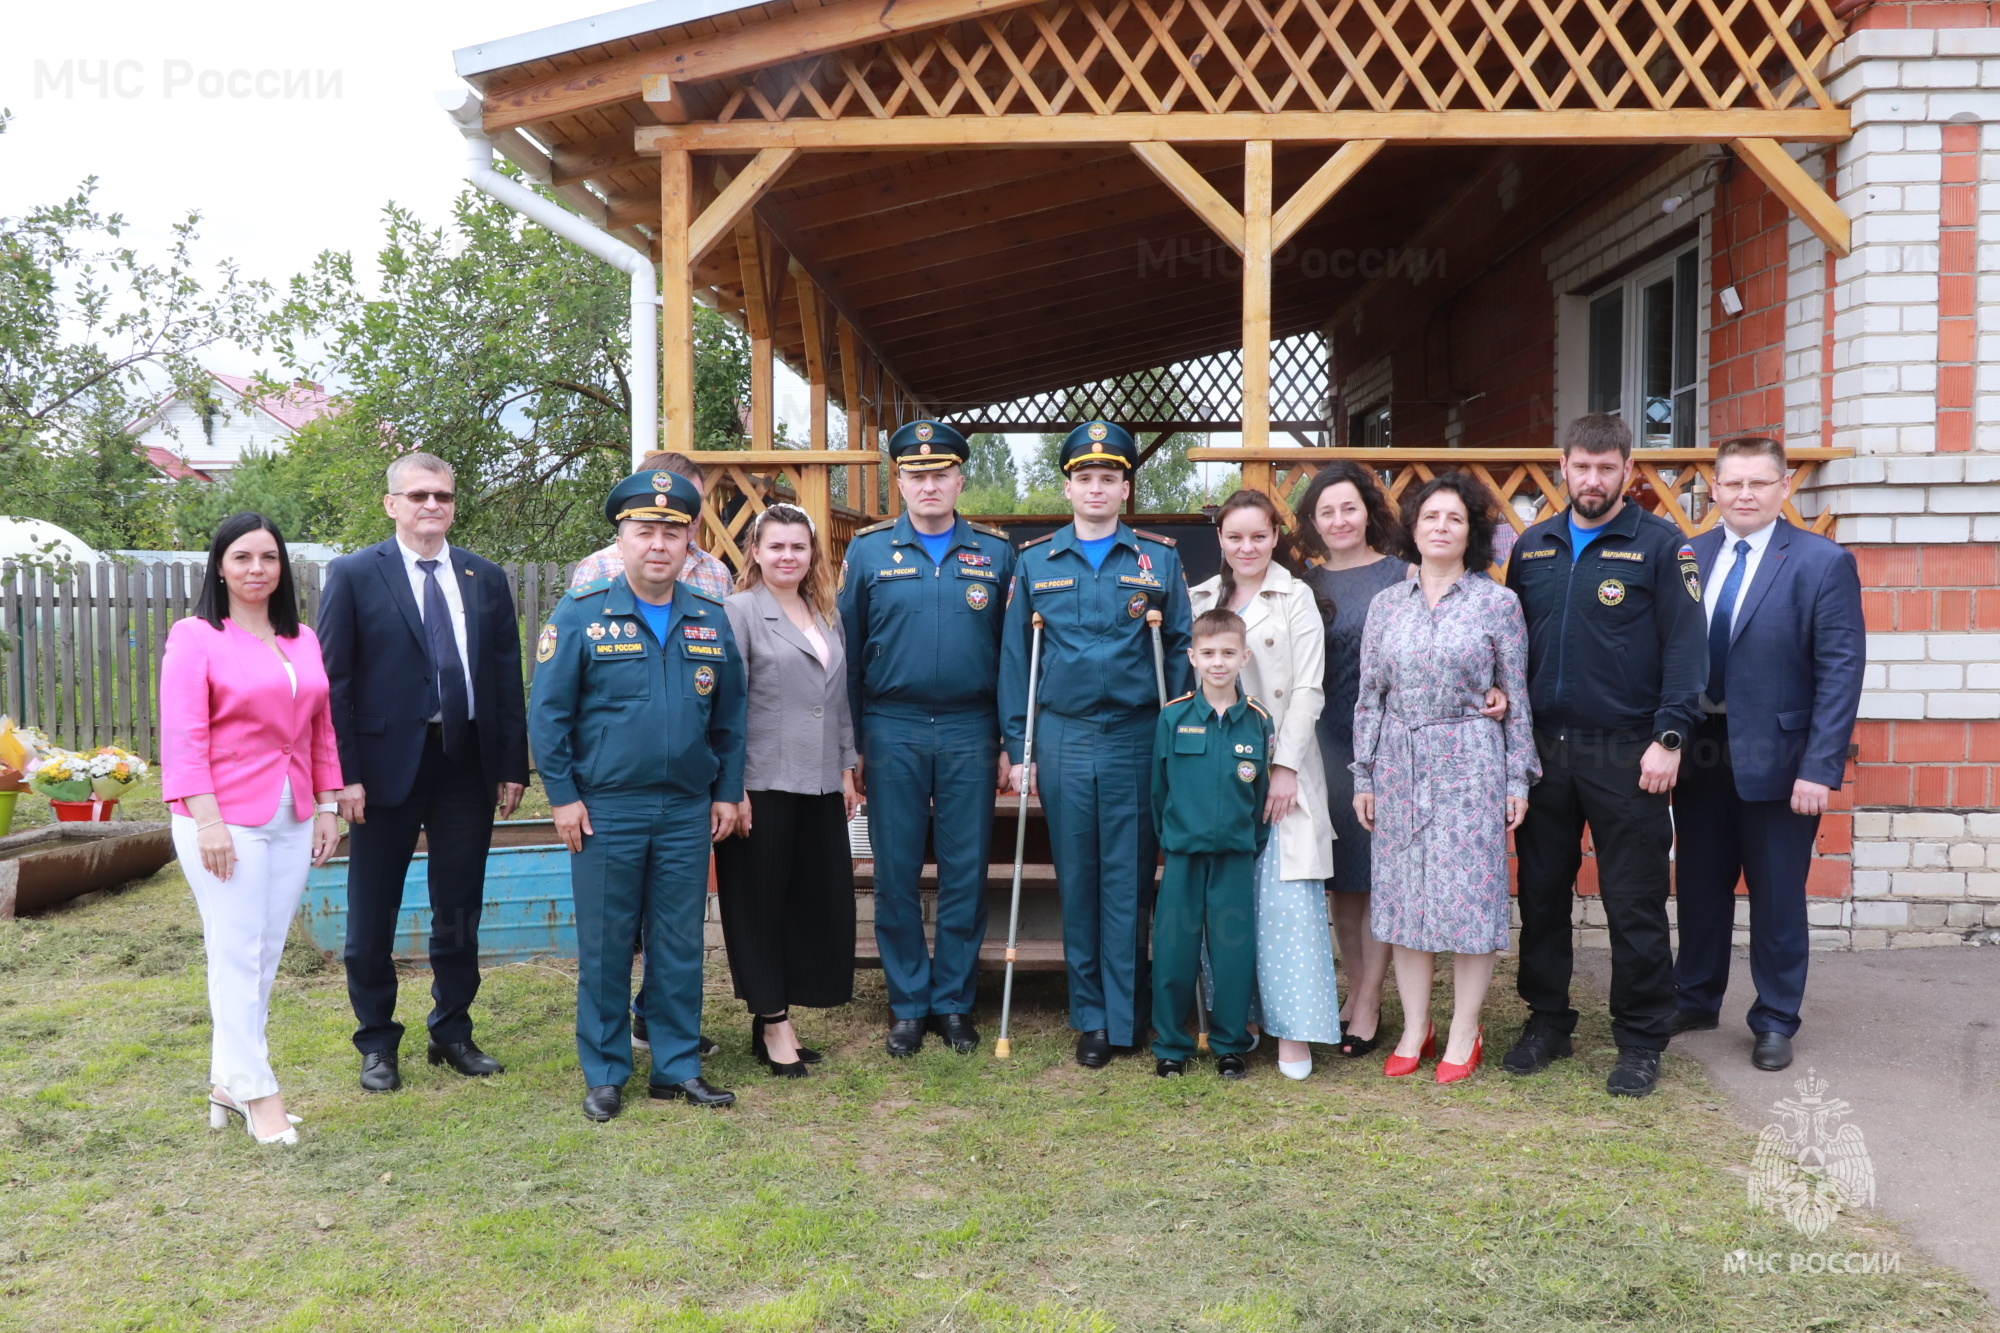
(1210, 894)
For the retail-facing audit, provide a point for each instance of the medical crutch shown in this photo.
(1004, 1047)
(1160, 683)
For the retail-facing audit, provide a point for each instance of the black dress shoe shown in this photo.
(1686, 1020)
(806, 1055)
(1231, 1066)
(466, 1058)
(380, 1072)
(1165, 1068)
(906, 1036)
(1636, 1074)
(957, 1031)
(1538, 1046)
(1093, 1049)
(695, 1090)
(1772, 1052)
(603, 1102)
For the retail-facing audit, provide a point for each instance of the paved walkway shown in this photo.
(1911, 1039)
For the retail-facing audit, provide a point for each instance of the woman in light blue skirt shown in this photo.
(1295, 997)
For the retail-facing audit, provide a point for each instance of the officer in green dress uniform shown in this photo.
(636, 719)
(921, 604)
(1093, 581)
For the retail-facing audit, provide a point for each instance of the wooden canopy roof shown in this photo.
(982, 200)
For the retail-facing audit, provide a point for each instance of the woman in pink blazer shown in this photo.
(246, 749)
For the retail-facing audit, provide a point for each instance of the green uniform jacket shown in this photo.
(614, 711)
(1211, 774)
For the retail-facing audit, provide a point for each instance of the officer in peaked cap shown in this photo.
(636, 719)
(920, 603)
(1093, 581)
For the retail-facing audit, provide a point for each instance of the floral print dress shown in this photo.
(1440, 772)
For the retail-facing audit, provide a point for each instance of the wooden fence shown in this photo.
(80, 646)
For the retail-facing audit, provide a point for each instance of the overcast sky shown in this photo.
(288, 127)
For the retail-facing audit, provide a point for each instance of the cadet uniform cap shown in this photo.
(653, 497)
(1099, 444)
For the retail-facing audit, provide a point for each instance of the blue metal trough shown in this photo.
(528, 913)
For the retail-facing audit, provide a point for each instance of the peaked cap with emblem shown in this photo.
(1099, 444)
(653, 497)
(926, 446)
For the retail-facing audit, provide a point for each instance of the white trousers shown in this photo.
(243, 924)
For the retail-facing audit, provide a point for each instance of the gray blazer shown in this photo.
(801, 735)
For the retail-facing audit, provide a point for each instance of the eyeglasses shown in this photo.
(428, 497)
(1753, 485)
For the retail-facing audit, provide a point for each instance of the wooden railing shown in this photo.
(741, 483)
(1674, 483)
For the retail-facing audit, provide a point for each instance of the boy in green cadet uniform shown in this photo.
(1211, 771)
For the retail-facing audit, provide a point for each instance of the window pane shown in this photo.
(1685, 315)
(1656, 364)
(1607, 351)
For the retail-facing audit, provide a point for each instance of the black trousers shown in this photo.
(451, 804)
(787, 899)
(1593, 778)
(1767, 845)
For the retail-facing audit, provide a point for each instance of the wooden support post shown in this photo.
(676, 300)
(1256, 294)
(1802, 194)
(816, 498)
(812, 327)
(860, 487)
(757, 320)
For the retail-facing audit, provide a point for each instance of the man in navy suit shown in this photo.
(423, 656)
(1785, 654)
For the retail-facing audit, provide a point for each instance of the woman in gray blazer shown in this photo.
(786, 885)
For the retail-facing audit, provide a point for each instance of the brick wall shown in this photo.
(1746, 371)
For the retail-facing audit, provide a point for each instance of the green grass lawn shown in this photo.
(940, 1193)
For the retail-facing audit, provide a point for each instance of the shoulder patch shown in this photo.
(989, 531)
(594, 586)
(1183, 699)
(1259, 707)
(705, 596)
(1037, 541)
(1152, 537)
(883, 526)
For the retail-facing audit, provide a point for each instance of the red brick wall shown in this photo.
(1926, 14)
(1933, 762)
(1958, 225)
(1746, 366)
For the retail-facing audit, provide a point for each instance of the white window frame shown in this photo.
(1631, 396)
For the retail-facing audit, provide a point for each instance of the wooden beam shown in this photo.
(733, 50)
(571, 163)
(860, 487)
(812, 331)
(676, 300)
(750, 260)
(736, 199)
(1256, 294)
(1194, 191)
(1433, 127)
(1802, 194)
(1321, 186)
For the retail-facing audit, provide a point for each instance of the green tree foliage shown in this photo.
(497, 346)
(90, 336)
(990, 487)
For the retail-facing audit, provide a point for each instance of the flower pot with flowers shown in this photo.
(64, 777)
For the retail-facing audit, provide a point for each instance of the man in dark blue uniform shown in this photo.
(1617, 655)
(637, 724)
(1093, 581)
(921, 604)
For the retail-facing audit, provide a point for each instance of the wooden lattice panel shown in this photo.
(1106, 57)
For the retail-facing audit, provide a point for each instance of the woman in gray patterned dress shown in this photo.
(1436, 781)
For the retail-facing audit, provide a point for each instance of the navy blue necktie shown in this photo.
(1718, 625)
(449, 665)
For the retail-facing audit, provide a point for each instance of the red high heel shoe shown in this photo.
(1451, 1073)
(1397, 1066)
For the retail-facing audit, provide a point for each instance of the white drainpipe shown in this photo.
(464, 110)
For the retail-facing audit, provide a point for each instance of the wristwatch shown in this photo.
(1668, 740)
(326, 809)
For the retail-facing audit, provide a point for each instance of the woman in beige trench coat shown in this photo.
(1287, 641)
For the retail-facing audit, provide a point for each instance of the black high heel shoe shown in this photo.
(807, 1056)
(1355, 1047)
(797, 1068)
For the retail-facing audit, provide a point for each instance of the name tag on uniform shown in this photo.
(617, 649)
(1637, 557)
(703, 632)
(967, 573)
(1051, 585)
(1192, 731)
(905, 573)
(701, 649)
(1138, 581)
(1534, 555)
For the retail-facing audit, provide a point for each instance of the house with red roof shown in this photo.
(185, 437)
